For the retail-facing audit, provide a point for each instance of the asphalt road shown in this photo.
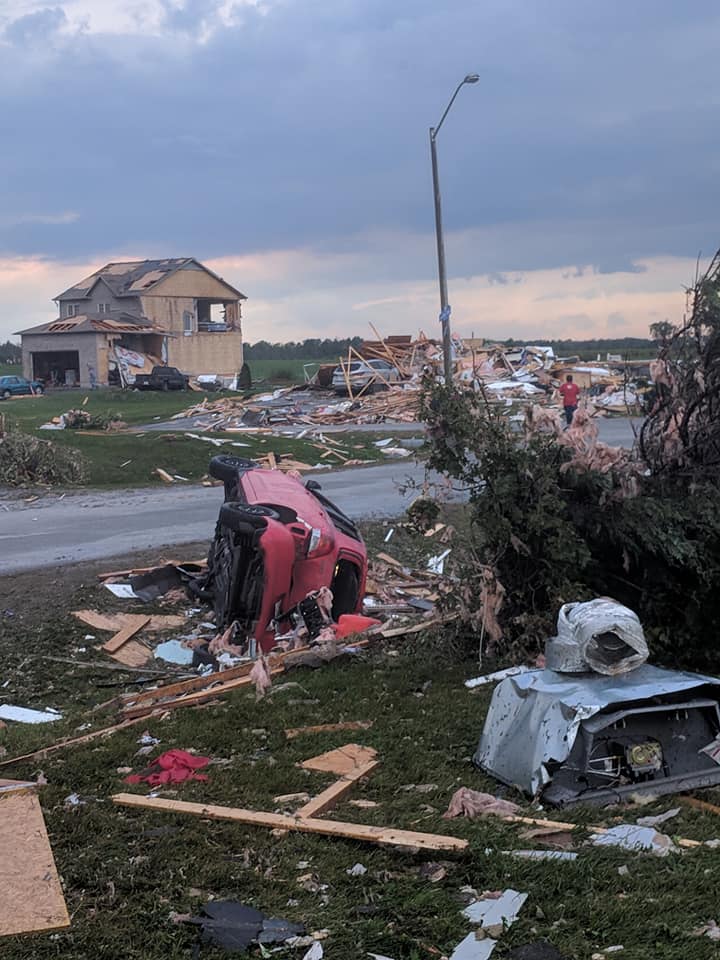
(91, 526)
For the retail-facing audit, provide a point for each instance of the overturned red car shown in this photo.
(277, 540)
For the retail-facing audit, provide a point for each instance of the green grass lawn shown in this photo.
(126, 871)
(286, 371)
(107, 456)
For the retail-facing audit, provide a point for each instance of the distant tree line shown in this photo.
(311, 349)
(10, 352)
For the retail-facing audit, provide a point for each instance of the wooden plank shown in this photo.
(272, 460)
(275, 661)
(700, 804)
(114, 621)
(293, 732)
(386, 558)
(30, 891)
(343, 761)
(335, 792)
(73, 742)
(132, 654)
(561, 825)
(192, 699)
(133, 623)
(277, 821)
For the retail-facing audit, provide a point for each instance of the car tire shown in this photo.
(6, 395)
(165, 385)
(226, 468)
(39, 391)
(234, 515)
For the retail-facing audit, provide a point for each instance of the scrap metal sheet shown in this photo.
(534, 717)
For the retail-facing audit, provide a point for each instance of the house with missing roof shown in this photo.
(127, 317)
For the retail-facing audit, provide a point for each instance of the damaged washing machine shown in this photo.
(599, 723)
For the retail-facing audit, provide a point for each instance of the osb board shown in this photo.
(132, 654)
(116, 621)
(31, 898)
(342, 761)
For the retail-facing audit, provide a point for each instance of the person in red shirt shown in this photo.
(570, 392)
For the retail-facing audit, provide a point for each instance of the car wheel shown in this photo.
(226, 468)
(234, 515)
(6, 395)
(39, 391)
(165, 385)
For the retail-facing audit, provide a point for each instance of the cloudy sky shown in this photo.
(285, 143)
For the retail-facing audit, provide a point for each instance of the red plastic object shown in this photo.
(350, 623)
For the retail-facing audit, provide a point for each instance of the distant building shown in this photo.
(127, 316)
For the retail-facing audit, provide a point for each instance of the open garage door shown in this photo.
(57, 367)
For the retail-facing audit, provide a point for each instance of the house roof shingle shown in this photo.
(136, 277)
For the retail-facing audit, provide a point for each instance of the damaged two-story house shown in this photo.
(126, 317)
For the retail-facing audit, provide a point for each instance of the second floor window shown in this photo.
(72, 309)
(103, 308)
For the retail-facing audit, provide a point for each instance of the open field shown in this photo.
(126, 871)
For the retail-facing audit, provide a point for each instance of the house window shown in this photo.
(187, 323)
(103, 308)
(72, 309)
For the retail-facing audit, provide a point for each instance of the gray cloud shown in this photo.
(305, 124)
(36, 26)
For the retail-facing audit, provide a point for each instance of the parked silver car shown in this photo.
(377, 373)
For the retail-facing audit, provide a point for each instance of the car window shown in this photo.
(380, 364)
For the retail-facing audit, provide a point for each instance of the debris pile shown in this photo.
(507, 375)
(27, 459)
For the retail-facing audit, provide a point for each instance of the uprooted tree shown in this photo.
(558, 515)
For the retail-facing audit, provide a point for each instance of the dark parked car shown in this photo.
(18, 386)
(161, 378)
(276, 541)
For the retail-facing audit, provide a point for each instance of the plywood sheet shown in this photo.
(343, 761)
(31, 897)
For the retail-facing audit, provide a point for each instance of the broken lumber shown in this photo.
(72, 742)
(164, 475)
(335, 792)
(700, 805)
(133, 624)
(293, 732)
(30, 890)
(192, 699)
(561, 825)
(113, 622)
(388, 836)
(343, 761)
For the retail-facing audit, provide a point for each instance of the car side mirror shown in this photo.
(312, 485)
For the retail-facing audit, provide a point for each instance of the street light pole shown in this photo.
(442, 275)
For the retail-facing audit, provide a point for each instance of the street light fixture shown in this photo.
(444, 305)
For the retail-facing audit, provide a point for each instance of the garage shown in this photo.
(56, 367)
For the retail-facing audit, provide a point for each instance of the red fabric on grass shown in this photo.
(173, 766)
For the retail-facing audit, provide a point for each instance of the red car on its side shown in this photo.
(277, 540)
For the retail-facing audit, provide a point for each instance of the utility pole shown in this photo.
(442, 274)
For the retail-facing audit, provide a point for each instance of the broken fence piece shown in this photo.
(328, 728)
(495, 677)
(388, 836)
(30, 891)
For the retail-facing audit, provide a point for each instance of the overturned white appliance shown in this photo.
(599, 723)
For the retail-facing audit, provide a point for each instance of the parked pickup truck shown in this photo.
(161, 378)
